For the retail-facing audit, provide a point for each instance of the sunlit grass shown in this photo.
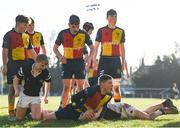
(142, 103)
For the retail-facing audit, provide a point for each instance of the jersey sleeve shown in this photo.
(99, 36)
(21, 73)
(47, 76)
(79, 99)
(42, 39)
(6, 41)
(85, 51)
(123, 37)
(59, 38)
(88, 40)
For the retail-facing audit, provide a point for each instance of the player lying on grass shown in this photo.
(86, 102)
(34, 75)
(126, 111)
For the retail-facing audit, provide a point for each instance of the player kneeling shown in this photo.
(34, 75)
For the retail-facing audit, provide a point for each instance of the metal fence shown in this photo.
(147, 92)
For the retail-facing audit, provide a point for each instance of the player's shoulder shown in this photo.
(104, 27)
(9, 32)
(65, 30)
(93, 89)
(119, 28)
(37, 32)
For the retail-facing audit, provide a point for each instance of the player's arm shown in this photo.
(16, 85)
(58, 42)
(46, 93)
(31, 51)
(5, 46)
(122, 51)
(5, 60)
(47, 87)
(56, 51)
(97, 42)
(96, 50)
(43, 49)
(122, 56)
(19, 76)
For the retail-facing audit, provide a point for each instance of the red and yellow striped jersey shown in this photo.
(111, 40)
(73, 44)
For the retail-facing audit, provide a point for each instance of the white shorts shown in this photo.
(26, 101)
(126, 110)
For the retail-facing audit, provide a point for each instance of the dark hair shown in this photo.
(42, 57)
(104, 78)
(87, 26)
(111, 12)
(31, 20)
(21, 19)
(73, 19)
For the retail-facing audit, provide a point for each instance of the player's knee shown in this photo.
(18, 118)
(36, 117)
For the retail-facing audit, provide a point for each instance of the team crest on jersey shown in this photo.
(79, 40)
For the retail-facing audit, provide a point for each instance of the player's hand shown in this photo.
(94, 64)
(88, 61)
(45, 100)
(89, 114)
(16, 93)
(63, 60)
(4, 69)
(122, 65)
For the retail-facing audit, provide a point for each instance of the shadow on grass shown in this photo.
(61, 123)
(4, 122)
(172, 124)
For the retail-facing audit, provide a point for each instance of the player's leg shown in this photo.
(67, 113)
(20, 113)
(80, 84)
(36, 111)
(11, 98)
(115, 72)
(11, 101)
(36, 108)
(153, 108)
(116, 88)
(66, 76)
(22, 105)
(49, 115)
(66, 92)
(80, 74)
(128, 111)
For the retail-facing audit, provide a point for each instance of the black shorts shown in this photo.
(93, 81)
(74, 67)
(110, 66)
(67, 113)
(13, 68)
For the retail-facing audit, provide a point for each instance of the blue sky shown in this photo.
(151, 26)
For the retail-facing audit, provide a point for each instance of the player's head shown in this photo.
(112, 16)
(106, 83)
(88, 27)
(74, 22)
(30, 27)
(42, 61)
(21, 23)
